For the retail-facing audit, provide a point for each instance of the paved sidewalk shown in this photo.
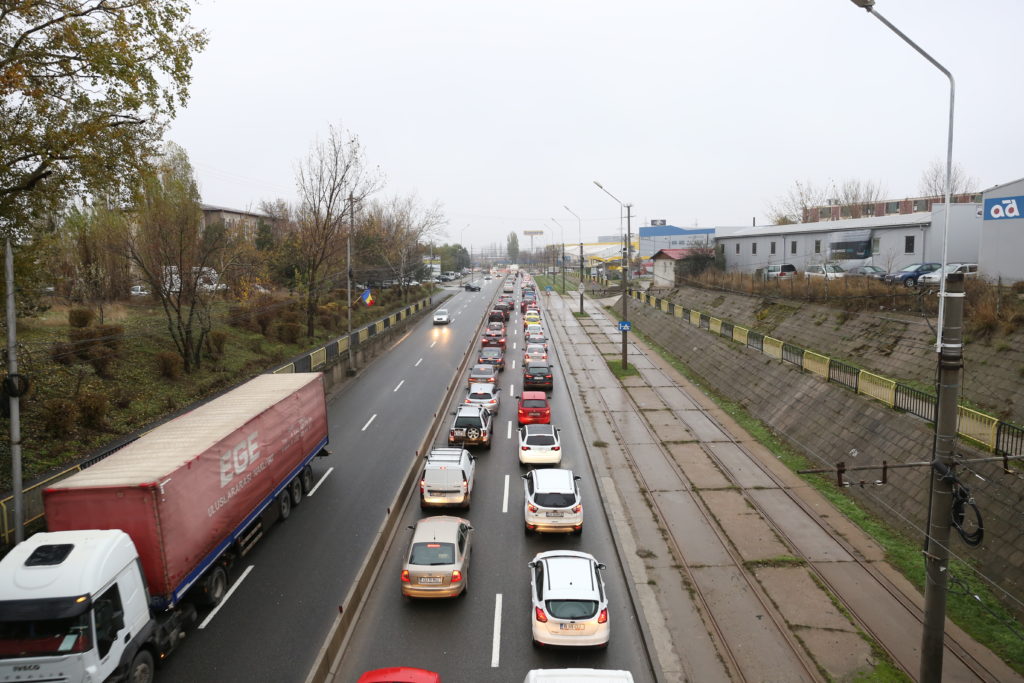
(729, 553)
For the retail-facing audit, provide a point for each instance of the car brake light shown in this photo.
(423, 484)
(457, 576)
(531, 507)
(541, 617)
(603, 616)
(524, 448)
(547, 376)
(577, 508)
(405, 576)
(556, 448)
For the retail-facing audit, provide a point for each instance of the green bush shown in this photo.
(93, 409)
(80, 317)
(170, 364)
(289, 333)
(59, 416)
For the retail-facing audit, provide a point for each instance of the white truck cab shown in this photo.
(74, 607)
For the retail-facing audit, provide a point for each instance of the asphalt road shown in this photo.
(468, 639)
(273, 624)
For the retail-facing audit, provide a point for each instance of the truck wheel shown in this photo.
(295, 490)
(215, 586)
(307, 479)
(142, 670)
(284, 501)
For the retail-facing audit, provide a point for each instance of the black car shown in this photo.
(492, 355)
(538, 376)
(470, 287)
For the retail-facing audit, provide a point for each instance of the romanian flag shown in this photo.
(367, 298)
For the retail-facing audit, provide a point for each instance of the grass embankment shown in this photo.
(90, 385)
(970, 602)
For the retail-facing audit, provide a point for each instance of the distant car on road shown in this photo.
(471, 287)
(484, 395)
(441, 317)
(482, 373)
(438, 559)
(540, 445)
(908, 275)
(472, 427)
(553, 502)
(538, 376)
(492, 355)
(534, 408)
(570, 605)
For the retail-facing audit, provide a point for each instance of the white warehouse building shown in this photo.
(890, 242)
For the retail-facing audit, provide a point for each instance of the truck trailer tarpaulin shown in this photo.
(184, 490)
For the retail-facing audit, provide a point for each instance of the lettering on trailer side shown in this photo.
(235, 461)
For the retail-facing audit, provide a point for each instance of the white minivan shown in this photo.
(447, 479)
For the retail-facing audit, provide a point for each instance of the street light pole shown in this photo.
(348, 262)
(579, 225)
(949, 346)
(624, 271)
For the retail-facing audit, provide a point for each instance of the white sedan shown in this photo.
(539, 445)
(441, 317)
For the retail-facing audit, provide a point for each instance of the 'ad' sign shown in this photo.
(1003, 207)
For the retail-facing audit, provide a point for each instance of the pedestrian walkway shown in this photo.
(733, 560)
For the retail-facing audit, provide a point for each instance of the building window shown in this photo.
(772, 248)
(921, 205)
(817, 246)
(869, 209)
(792, 247)
(753, 247)
(737, 247)
(876, 245)
(892, 207)
(908, 244)
(845, 211)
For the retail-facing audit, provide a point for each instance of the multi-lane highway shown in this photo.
(486, 634)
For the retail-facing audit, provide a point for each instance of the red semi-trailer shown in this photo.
(183, 502)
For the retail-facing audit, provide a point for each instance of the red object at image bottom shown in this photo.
(400, 674)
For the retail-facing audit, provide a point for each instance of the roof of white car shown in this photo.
(554, 481)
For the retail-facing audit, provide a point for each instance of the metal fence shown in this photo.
(1002, 437)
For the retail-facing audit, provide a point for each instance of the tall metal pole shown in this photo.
(13, 400)
(625, 287)
(348, 262)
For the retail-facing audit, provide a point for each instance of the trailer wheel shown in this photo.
(295, 490)
(284, 501)
(307, 479)
(143, 669)
(215, 586)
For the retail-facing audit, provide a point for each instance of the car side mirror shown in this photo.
(411, 527)
(524, 476)
(472, 457)
(531, 565)
(470, 528)
(602, 566)
(577, 477)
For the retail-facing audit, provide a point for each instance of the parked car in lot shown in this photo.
(827, 271)
(492, 355)
(438, 559)
(539, 444)
(908, 275)
(138, 290)
(447, 478)
(570, 606)
(969, 270)
(534, 353)
(483, 395)
(874, 272)
(534, 408)
(482, 373)
(779, 271)
(441, 317)
(553, 503)
(472, 427)
(538, 376)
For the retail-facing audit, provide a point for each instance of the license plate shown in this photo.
(571, 627)
(460, 432)
(432, 579)
(534, 414)
(553, 513)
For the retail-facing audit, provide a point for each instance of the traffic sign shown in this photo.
(581, 288)
(548, 288)
(625, 326)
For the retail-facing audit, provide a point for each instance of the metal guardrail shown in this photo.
(1001, 437)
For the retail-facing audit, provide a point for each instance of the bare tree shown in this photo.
(933, 180)
(856, 193)
(791, 207)
(332, 180)
(175, 252)
(400, 227)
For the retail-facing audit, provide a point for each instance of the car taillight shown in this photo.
(556, 448)
(524, 448)
(423, 485)
(547, 376)
(531, 507)
(540, 616)
(492, 401)
(603, 616)
(465, 484)
(405, 576)
(457, 576)
(577, 508)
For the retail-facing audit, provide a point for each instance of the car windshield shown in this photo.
(479, 395)
(534, 403)
(45, 637)
(491, 353)
(554, 500)
(834, 269)
(442, 311)
(571, 609)
(540, 440)
(537, 369)
(911, 268)
(432, 554)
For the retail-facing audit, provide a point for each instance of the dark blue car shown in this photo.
(907, 276)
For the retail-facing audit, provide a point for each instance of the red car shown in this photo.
(534, 408)
(400, 674)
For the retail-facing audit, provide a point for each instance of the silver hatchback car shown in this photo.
(570, 606)
(484, 395)
(438, 558)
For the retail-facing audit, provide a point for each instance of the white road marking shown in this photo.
(368, 422)
(496, 644)
(511, 389)
(313, 490)
(418, 363)
(513, 346)
(504, 501)
(403, 382)
(433, 343)
(236, 584)
(509, 434)
(513, 363)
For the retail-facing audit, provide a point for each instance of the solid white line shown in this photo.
(368, 422)
(504, 501)
(509, 434)
(400, 385)
(418, 363)
(496, 644)
(511, 389)
(236, 584)
(432, 343)
(313, 490)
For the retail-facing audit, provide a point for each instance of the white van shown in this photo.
(578, 676)
(447, 479)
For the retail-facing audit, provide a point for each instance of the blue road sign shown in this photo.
(625, 326)
(548, 288)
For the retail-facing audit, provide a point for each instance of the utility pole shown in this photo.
(936, 551)
(626, 252)
(14, 390)
(348, 261)
(581, 278)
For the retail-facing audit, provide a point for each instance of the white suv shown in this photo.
(553, 502)
(570, 606)
(447, 479)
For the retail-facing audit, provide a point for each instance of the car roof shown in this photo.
(491, 350)
(534, 395)
(553, 481)
(482, 387)
(446, 454)
(532, 429)
(569, 575)
(471, 410)
(439, 528)
(484, 368)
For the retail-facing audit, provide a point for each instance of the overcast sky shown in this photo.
(699, 113)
